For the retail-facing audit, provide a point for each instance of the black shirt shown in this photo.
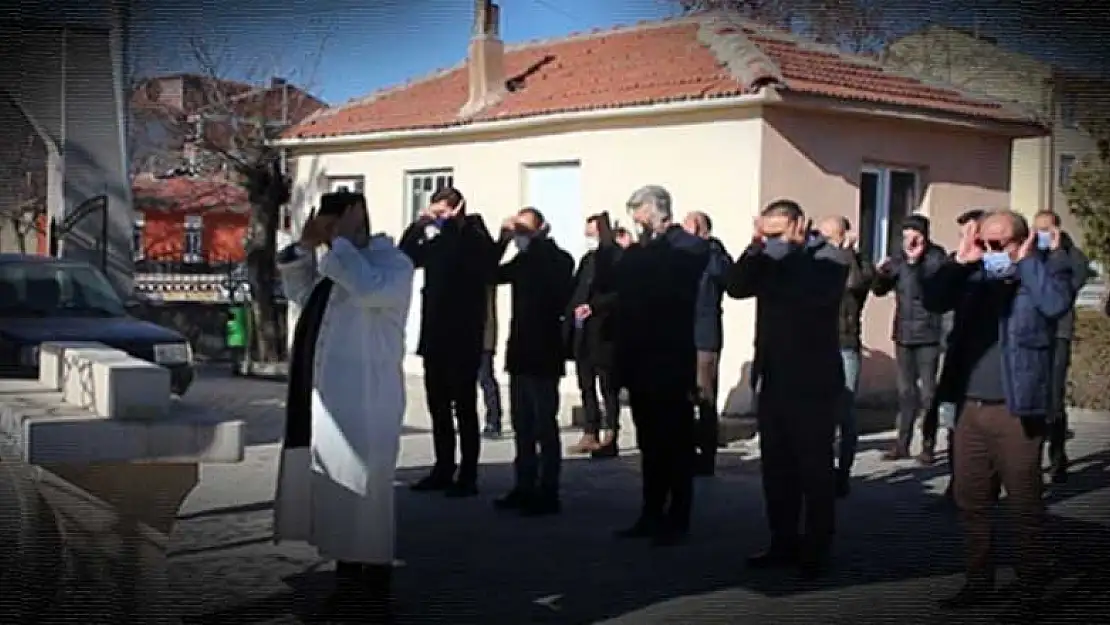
(984, 349)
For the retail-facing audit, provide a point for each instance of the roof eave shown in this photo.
(1014, 127)
(646, 111)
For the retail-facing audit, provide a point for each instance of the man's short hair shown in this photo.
(652, 194)
(336, 203)
(783, 208)
(1017, 220)
(535, 214)
(621, 231)
(450, 196)
(704, 220)
(974, 214)
(595, 218)
(845, 224)
(1048, 213)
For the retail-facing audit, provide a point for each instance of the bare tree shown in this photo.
(23, 172)
(221, 127)
(854, 25)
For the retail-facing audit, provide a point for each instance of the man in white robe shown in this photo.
(346, 401)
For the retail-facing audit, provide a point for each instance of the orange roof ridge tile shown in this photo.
(747, 63)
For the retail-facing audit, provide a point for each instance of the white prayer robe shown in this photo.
(337, 493)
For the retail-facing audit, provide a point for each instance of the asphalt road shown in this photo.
(460, 562)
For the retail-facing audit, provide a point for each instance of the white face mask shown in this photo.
(522, 242)
(591, 244)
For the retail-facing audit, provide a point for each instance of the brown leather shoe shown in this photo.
(588, 443)
(897, 452)
(926, 457)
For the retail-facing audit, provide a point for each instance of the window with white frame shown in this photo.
(420, 186)
(138, 241)
(887, 195)
(1069, 109)
(193, 251)
(1064, 170)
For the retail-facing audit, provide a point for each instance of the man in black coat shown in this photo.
(798, 281)
(589, 329)
(917, 331)
(459, 258)
(657, 284)
(837, 233)
(540, 275)
(1044, 223)
(708, 339)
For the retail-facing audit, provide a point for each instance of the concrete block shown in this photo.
(51, 360)
(110, 383)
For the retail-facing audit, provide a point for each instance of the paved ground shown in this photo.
(463, 563)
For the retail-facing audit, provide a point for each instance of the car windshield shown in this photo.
(56, 289)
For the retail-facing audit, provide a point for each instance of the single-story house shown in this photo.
(725, 113)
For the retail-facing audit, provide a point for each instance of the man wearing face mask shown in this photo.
(346, 401)
(837, 232)
(588, 326)
(708, 339)
(1045, 223)
(540, 276)
(657, 282)
(798, 282)
(1010, 298)
(459, 258)
(917, 332)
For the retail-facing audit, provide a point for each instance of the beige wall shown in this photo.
(816, 159)
(706, 163)
(981, 67)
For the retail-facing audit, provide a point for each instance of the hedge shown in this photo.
(1089, 377)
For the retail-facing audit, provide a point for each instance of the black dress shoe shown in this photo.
(432, 482)
(669, 537)
(461, 489)
(813, 565)
(843, 483)
(1059, 473)
(607, 452)
(541, 505)
(513, 500)
(774, 558)
(640, 529)
(969, 596)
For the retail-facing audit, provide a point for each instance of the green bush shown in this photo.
(1089, 377)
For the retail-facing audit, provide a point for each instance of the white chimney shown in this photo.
(485, 60)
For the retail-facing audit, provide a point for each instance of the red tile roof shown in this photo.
(693, 58)
(188, 195)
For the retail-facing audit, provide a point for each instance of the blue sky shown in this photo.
(343, 49)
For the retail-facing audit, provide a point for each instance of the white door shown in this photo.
(556, 190)
(420, 186)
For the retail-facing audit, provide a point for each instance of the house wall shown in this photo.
(224, 232)
(816, 160)
(979, 65)
(707, 163)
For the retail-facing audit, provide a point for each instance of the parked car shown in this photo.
(45, 299)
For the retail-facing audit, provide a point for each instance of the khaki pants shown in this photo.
(990, 440)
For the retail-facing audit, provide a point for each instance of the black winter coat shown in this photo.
(914, 325)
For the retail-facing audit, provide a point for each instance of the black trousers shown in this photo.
(664, 418)
(451, 390)
(603, 414)
(917, 383)
(1057, 402)
(796, 443)
(534, 407)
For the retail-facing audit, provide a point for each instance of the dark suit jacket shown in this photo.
(797, 339)
(541, 279)
(657, 289)
(594, 340)
(459, 264)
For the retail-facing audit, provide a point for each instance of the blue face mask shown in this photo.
(439, 222)
(1044, 240)
(777, 248)
(998, 265)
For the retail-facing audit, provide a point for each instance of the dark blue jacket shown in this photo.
(1027, 332)
(708, 333)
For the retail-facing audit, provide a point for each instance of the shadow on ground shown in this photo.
(465, 563)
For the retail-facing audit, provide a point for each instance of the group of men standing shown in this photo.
(645, 317)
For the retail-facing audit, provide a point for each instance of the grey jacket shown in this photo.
(1080, 274)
